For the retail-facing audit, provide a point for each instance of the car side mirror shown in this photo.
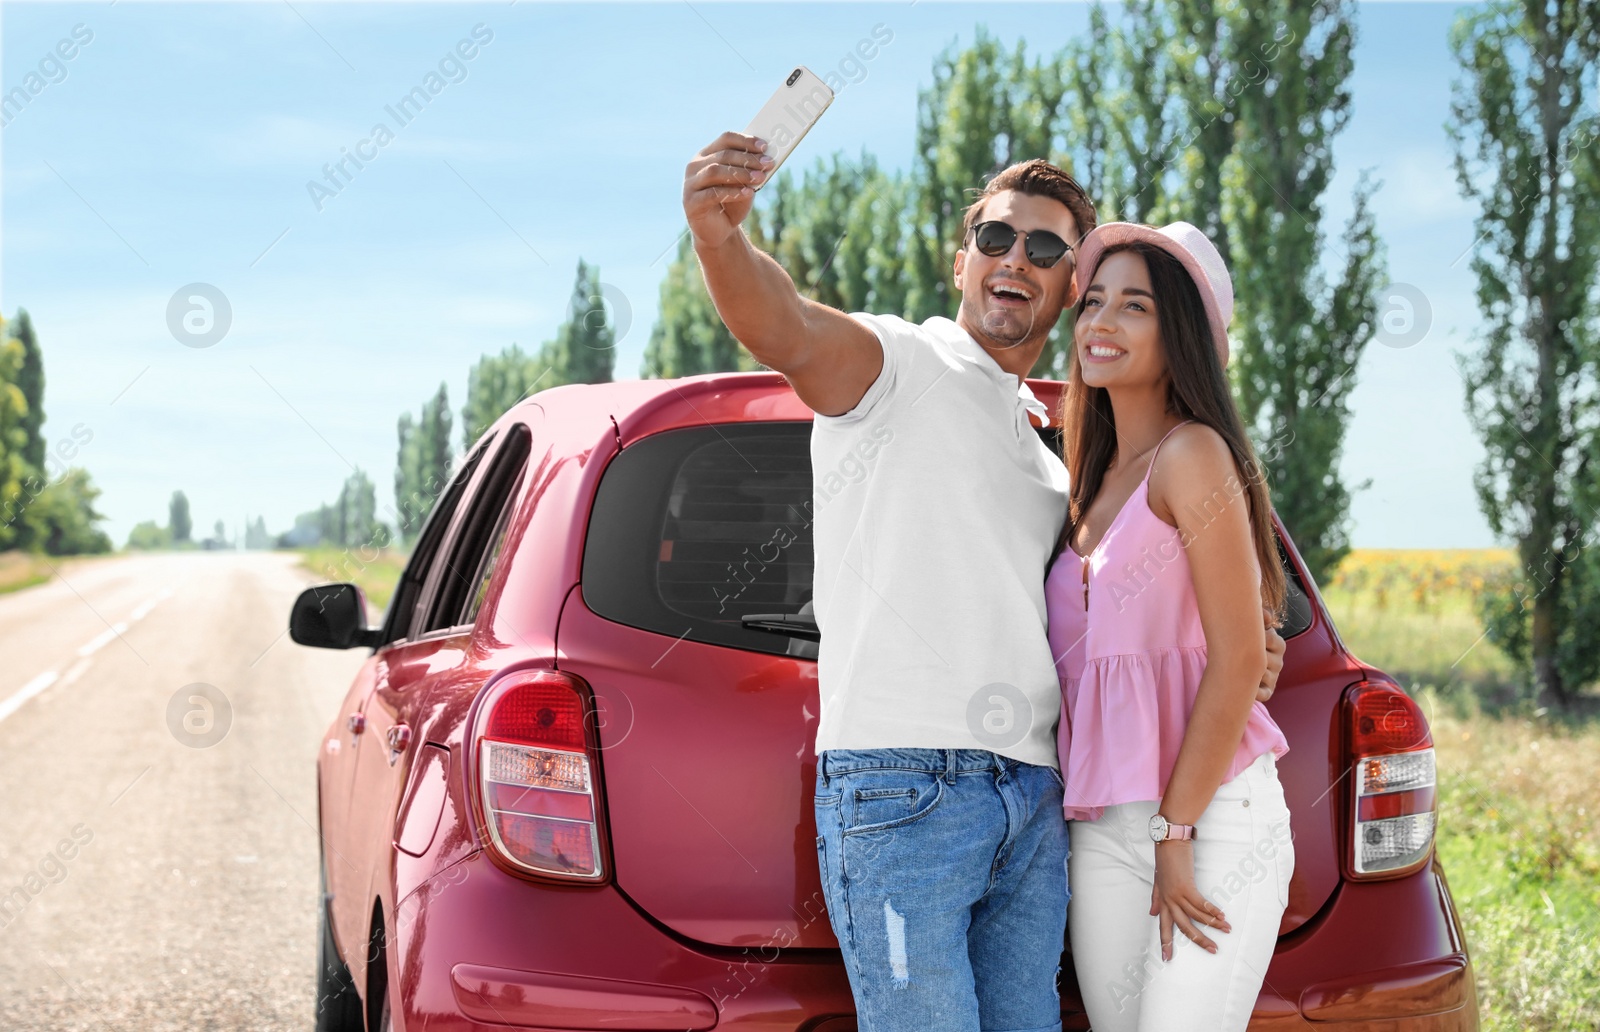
(331, 616)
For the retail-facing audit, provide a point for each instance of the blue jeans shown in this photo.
(944, 873)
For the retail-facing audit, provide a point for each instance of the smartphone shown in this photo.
(788, 115)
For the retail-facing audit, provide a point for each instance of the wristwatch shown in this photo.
(1162, 830)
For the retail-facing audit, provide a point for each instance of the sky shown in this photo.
(180, 144)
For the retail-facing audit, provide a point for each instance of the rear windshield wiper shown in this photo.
(795, 625)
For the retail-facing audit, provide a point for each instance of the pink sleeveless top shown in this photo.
(1130, 663)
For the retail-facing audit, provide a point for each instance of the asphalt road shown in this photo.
(158, 861)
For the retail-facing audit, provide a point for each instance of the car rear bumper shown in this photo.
(489, 950)
(1384, 955)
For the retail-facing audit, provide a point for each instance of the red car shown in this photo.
(571, 788)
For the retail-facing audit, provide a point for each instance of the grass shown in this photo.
(1520, 842)
(20, 570)
(375, 572)
(1518, 831)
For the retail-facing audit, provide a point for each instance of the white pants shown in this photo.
(1243, 857)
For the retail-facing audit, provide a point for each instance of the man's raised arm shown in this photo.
(829, 358)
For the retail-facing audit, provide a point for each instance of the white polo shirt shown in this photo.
(936, 510)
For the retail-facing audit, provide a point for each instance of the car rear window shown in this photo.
(694, 528)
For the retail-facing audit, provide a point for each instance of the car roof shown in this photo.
(581, 413)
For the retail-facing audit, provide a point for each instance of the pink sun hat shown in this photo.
(1187, 244)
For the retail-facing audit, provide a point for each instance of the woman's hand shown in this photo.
(1275, 650)
(1175, 899)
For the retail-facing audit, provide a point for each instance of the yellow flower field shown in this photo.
(1413, 613)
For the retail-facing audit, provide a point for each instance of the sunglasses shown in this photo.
(1043, 248)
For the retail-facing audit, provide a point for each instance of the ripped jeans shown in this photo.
(944, 873)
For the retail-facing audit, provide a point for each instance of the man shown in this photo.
(941, 844)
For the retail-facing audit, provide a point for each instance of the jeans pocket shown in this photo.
(880, 800)
(882, 805)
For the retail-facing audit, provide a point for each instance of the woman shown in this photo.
(1154, 605)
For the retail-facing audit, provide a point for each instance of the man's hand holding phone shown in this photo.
(719, 186)
(829, 358)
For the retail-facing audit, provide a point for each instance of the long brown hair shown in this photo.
(1197, 389)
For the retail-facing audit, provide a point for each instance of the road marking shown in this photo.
(49, 677)
(68, 679)
(26, 692)
(75, 671)
(148, 604)
(102, 639)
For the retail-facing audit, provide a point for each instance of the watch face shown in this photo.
(1158, 828)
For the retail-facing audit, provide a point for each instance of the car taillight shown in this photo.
(1392, 761)
(535, 782)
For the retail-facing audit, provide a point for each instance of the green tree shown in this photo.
(357, 520)
(584, 350)
(409, 510)
(178, 521)
(986, 109)
(1087, 67)
(423, 465)
(838, 232)
(1526, 154)
(14, 468)
(869, 266)
(494, 384)
(63, 517)
(689, 337)
(1300, 331)
(255, 534)
(149, 535)
(30, 379)
(1224, 115)
(1153, 107)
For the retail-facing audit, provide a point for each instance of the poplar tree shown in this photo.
(14, 468)
(422, 468)
(1306, 299)
(584, 350)
(178, 519)
(986, 109)
(689, 336)
(358, 525)
(1526, 155)
(494, 384)
(30, 380)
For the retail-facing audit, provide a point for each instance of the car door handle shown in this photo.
(399, 737)
(357, 723)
